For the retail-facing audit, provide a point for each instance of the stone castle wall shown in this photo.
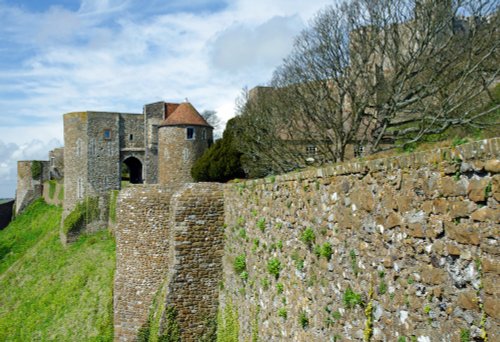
(29, 186)
(400, 247)
(168, 239)
(142, 243)
(75, 159)
(197, 219)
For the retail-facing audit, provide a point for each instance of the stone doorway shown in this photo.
(132, 170)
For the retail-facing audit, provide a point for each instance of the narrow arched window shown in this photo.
(190, 133)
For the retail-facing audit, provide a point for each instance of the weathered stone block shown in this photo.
(461, 208)
(393, 220)
(476, 189)
(492, 165)
(486, 214)
(462, 233)
(449, 187)
(492, 306)
(490, 266)
(432, 275)
(468, 300)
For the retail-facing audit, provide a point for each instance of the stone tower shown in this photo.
(182, 138)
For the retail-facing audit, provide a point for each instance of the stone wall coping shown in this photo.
(486, 148)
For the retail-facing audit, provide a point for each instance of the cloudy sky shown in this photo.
(58, 56)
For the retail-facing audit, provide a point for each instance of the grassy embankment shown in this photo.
(51, 292)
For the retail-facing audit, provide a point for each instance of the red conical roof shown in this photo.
(185, 114)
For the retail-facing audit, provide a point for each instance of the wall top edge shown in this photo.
(486, 148)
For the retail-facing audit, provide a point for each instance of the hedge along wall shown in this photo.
(398, 249)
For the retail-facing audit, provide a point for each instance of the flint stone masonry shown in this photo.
(178, 154)
(421, 230)
(142, 243)
(170, 236)
(29, 188)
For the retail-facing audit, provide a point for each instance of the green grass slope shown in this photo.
(53, 293)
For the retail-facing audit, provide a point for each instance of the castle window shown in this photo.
(107, 134)
(79, 188)
(190, 133)
(204, 134)
(359, 151)
(130, 137)
(311, 150)
(78, 148)
(92, 147)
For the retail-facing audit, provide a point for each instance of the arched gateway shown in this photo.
(134, 166)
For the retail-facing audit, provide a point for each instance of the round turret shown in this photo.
(182, 138)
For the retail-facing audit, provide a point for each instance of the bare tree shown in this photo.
(379, 74)
(214, 121)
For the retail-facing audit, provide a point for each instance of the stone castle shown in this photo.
(404, 248)
(158, 146)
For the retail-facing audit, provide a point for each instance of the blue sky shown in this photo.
(58, 56)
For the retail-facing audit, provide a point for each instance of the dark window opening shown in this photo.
(132, 170)
(190, 133)
(311, 150)
(359, 151)
(131, 137)
(107, 134)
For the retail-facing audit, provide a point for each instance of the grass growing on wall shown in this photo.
(84, 213)
(113, 196)
(51, 292)
(228, 327)
(36, 169)
(52, 188)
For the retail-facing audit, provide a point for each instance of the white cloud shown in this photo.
(241, 47)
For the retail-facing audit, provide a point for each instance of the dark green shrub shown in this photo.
(221, 162)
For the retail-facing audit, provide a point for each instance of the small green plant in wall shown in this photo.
(261, 224)
(274, 267)
(354, 262)
(282, 313)
(308, 237)
(351, 298)
(240, 263)
(244, 275)
(303, 320)
(488, 189)
(465, 335)
(326, 251)
(279, 288)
